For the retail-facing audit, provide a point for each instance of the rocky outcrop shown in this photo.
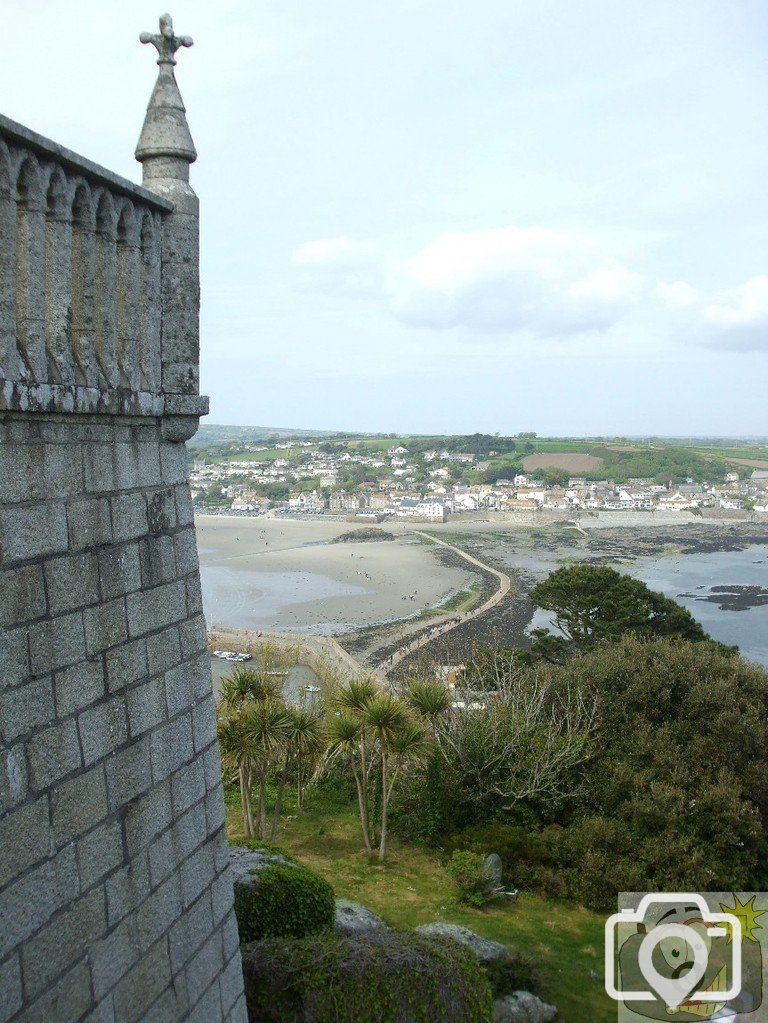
(486, 950)
(522, 1007)
(244, 861)
(352, 918)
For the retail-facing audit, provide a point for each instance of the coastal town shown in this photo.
(304, 477)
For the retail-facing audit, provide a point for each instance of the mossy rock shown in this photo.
(377, 976)
(275, 897)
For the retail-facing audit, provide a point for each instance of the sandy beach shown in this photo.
(284, 575)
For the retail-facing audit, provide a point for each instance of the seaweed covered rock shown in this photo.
(369, 534)
(375, 976)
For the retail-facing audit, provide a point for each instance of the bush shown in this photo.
(675, 796)
(518, 973)
(531, 858)
(472, 880)
(429, 803)
(283, 901)
(377, 977)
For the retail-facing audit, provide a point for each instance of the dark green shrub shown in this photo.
(283, 900)
(472, 880)
(531, 858)
(377, 977)
(429, 803)
(518, 973)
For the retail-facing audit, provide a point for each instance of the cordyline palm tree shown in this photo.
(265, 727)
(242, 689)
(373, 729)
(429, 698)
(406, 744)
(302, 743)
(385, 715)
(235, 756)
(343, 736)
(246, 684)
(352, 699)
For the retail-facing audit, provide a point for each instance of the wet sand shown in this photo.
(284, 575)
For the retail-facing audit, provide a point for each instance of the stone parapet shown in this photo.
(99, 290)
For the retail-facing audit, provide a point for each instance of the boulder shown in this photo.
(487, 951)
(522, 1007)
(352, 918)
(244, 861)
(494, 871)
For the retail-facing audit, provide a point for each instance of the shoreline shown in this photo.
(521, 550)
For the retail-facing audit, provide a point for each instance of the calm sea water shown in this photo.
(687, 577)
(255, 599)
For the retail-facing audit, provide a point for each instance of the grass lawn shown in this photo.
(414, 888)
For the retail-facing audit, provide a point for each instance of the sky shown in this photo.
(449, 216)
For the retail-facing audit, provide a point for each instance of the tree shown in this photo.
(675, 795)
(303, 742)
(515, 736)
(594, 604)
(397, 737)
(429, 698)
(243, 688)
(374, 734)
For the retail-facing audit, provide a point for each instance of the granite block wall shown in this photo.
(115, 897)
(115, 891)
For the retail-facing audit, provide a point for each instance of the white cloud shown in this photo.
(677, 295)
(743, 306)
(734, 319)
(609, 284)
(521, 279)
(536, 283)
(328, 252)
(340, 266)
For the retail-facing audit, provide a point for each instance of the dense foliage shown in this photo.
(671, 793)
(380, 977)
(472, 881)
(594, 604)
(284, 900)
(675, 796)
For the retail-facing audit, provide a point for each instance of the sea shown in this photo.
(693, 580)
(251, 599)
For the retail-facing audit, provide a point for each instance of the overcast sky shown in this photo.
(450, 215)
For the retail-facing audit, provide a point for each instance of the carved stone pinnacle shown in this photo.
(166, 42)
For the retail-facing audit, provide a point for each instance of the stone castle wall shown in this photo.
(115, 891)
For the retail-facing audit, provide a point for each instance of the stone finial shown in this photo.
(166, 134)
(166, 42)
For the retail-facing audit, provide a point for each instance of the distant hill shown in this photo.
(212, 433)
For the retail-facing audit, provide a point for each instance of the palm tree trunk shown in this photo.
(364, 783)
(384, 804)
(244, 801)
(363, 811)
(262, 833)
(250, 803)
(279, 799)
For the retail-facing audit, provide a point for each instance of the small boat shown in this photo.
(231, 655)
